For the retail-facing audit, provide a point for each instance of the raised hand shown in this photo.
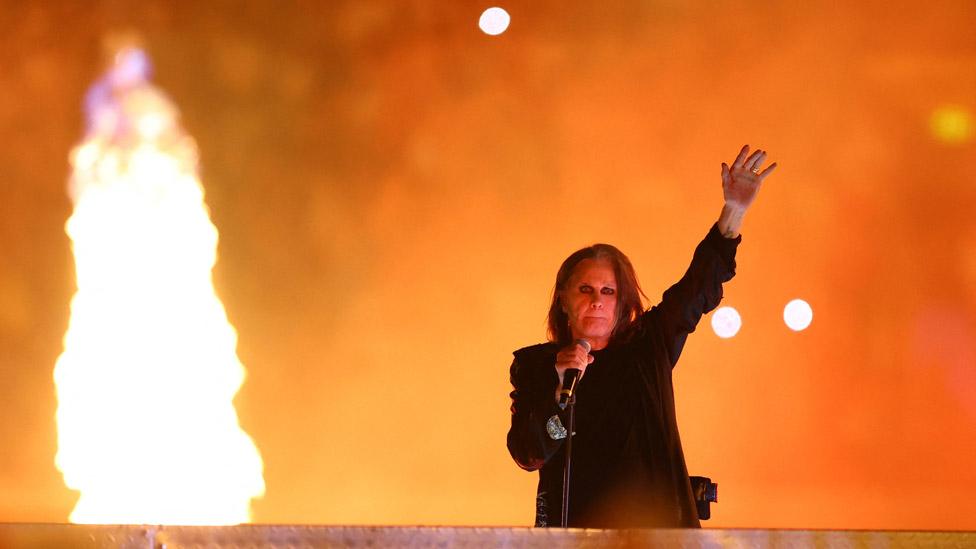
(741, 182)
(740, 185)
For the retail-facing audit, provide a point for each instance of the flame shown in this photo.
(147, 429)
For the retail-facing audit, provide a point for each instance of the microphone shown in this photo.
(571, 377)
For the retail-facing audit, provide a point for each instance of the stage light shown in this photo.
(494, 21)
(147, 429)
(952, 125)
(726, 322)
(797, 314)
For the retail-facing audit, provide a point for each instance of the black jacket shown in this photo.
(628, 467)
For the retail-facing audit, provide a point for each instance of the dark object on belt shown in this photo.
(705, 492)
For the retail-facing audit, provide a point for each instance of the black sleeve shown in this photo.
(533, 406)
(698, 292)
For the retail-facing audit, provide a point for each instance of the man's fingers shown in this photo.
(767, 171)
(571, 359)
(725, 173)
(756, 160)
(741, 157)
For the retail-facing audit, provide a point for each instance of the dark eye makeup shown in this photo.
(587, 289)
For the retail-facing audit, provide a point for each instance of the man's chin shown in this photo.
(601, 333)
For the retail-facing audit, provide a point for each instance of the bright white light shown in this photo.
(147, 429)
(726, 322)
(494, 21)
(797, 314)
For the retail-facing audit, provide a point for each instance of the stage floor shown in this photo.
(56, 536)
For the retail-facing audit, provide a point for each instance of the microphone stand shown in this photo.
(569, 459)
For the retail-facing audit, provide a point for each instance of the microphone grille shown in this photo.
(584, 344)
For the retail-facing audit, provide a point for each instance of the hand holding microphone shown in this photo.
(571, 363)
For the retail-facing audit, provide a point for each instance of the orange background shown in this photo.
(394, 191)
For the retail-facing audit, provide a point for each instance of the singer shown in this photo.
(628, 468)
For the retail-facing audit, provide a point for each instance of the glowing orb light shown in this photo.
(951, 125)
(494, 21)
(798, 315)
(147, 430)
(726, 322)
